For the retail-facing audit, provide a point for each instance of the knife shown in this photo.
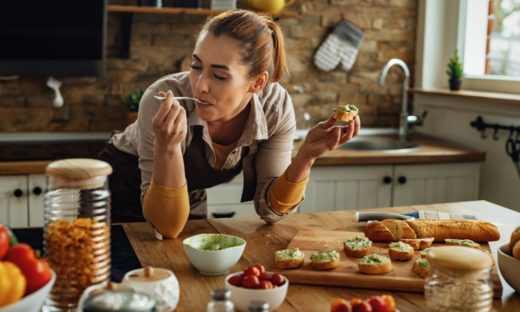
(432, 215)
(370, 216)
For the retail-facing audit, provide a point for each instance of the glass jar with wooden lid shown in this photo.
(76, 228)
(459, 279)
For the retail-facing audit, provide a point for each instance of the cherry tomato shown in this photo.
(236, 280)
(390, 302)
(252, 270)
(362, 306)
(265, 276)
(265, 285)
(277, 279)
(260, 268)
(250, 281)
(4, 241)
(378, 304)
(340, 305)
(36, 271)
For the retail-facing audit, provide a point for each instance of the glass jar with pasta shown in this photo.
(76, 228)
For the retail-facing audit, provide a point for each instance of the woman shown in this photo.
(243, 121)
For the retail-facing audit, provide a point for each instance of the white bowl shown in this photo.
(34, 301)
(241, 296)
(509, 267)
(213, 262)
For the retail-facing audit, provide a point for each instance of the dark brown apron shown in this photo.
(125, 181)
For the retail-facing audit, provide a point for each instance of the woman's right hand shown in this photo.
(169, 123)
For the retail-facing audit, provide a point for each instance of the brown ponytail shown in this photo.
(262, 41)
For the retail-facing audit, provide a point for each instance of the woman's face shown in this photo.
(217, 77)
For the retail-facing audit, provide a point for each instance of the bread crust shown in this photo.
(419, 270)
(516, 250)
(378, 232)
(515, 237)
(345, 116)
(284, 264)
(418, 243)
(355, 253)
(375, 269)
(476, 230)
(325, 265)
(399, 229)
(401, 254)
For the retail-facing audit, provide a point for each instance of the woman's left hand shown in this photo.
(326, 136)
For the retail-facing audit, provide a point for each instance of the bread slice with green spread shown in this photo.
(418, 243)
(325, 260)
(462, 242)
(375, 264)
(400, 251)
(288, 259)
(357, 246)
(421, 267)
(345, 112)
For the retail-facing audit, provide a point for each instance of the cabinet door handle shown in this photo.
(18, 193)
(387, 180)
(401, 180)
(37, 190)
(223, 214)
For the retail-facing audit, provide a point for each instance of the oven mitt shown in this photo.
(340, 46)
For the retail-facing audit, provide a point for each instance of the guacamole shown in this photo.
(215, 242)
(358, 243)
(401, 246)
(287, 254)
(347, 108)
(325, 256)
(374, 259)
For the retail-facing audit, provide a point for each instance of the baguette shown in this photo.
(418, 243)
(478, 231)
(374, 264)
(325, 260)
(388, 230)
(515, 237)
(400, 251)
(462, 242)
(288, 259)
(421, 267)
(356, 247)
(516, 250)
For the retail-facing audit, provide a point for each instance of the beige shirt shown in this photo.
(268, 134)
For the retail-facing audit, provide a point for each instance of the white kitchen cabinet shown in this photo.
(21, 200)
(224, 200)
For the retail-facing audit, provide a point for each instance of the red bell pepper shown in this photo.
(36, 271)
(4, 241)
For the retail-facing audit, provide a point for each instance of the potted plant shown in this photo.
(132, 105)
(455, 71)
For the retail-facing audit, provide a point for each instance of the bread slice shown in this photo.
(345, 112)
(400, 251)
(357, 246)
(399, 228)
(418, 243)
(288, 259)
(325, 260)
(515, 237)
(421, 267)
(375, 264)
(462, 242)
(424, 253)
(378, 232)
(476, 230)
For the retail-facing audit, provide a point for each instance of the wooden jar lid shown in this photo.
(459, 259)
(78, 172)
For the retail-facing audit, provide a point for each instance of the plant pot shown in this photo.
(455, 84)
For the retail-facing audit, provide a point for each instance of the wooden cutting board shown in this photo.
(401, 278)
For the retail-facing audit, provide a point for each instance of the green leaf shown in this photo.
(455, 69)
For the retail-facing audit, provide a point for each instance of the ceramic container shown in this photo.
(509, 267)
(32, 302)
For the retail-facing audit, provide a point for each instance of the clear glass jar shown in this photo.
(76, 229)
(459, 280)
(258, 306)
(220, 301)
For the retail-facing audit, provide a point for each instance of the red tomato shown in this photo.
(250, 281)
(340, 305)
(362, 306)
(36, 271)
(378, 304)
(390, 302)
(260, 268)
(236, 280)
(4, 241)
(277, 279)
(252, 270)
(265, 276)
(265, 285)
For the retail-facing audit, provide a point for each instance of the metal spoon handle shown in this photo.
(179, 98)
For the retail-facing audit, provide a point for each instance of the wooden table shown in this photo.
(263, 240)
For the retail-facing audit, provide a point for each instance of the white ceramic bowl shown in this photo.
(509, 267)
(213, 262)
(32, 302)
(241, 296)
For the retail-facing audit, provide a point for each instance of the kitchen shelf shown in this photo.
(177, 10)
(128, 11)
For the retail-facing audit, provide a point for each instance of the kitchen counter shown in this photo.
(430, 151)
(263, 240)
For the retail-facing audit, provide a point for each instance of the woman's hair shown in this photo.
(261, 38)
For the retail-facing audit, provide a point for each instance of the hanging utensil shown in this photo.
(513, 150)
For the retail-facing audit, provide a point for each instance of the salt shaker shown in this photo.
(220, 301)
(459, 280)
(76, 228)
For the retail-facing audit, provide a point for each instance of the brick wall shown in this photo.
(162, 44)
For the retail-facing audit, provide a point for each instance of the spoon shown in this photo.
(162, 98)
